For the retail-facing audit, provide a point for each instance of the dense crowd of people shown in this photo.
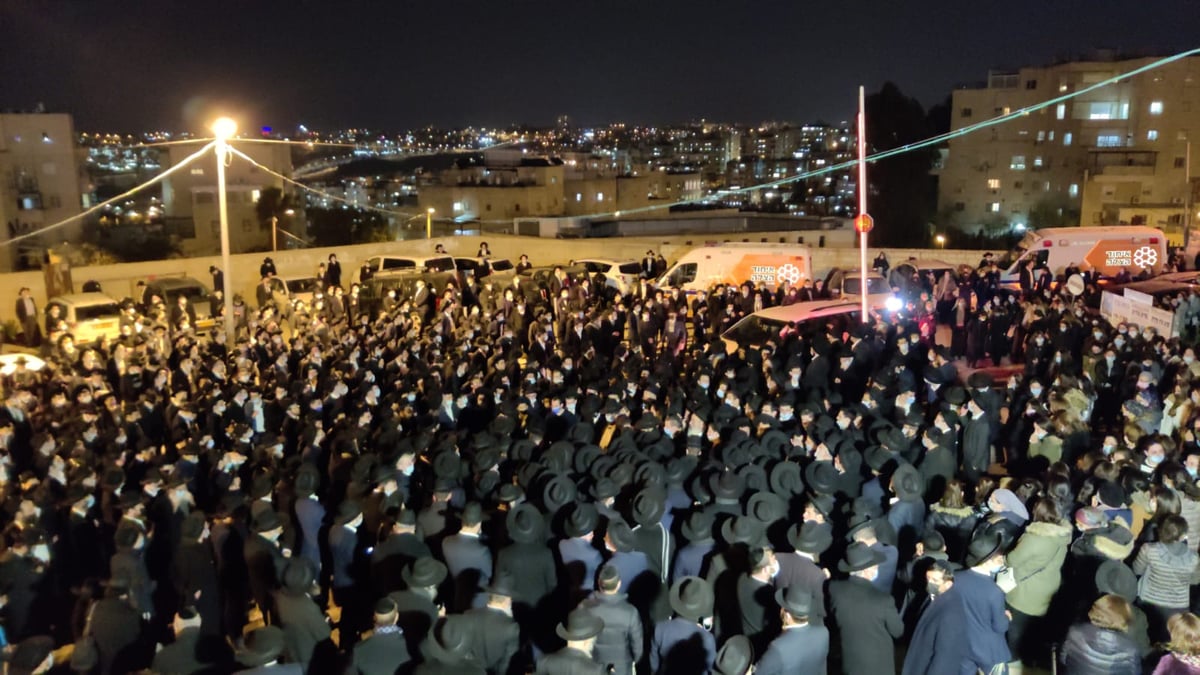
(490, 480)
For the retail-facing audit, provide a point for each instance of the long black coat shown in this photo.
(868, 622)
(381, 654)
(937, 643)
(195, 571)
(497, 637)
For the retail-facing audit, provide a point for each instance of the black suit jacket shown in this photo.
(380, 654)
(869, 623)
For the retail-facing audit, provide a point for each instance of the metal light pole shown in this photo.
(429, 223)
(224, 129)
(863, 222)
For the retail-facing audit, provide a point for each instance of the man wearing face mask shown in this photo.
(985, 619)
(1107, 378)
(867, 616)
(938, 643)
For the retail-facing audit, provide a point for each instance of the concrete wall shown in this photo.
(119, 280)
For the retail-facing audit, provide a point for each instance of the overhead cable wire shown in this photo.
(124, 195)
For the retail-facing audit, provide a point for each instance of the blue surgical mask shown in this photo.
(1154, 460)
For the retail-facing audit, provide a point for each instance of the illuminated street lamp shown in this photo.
(224, 128)
(941, 241)
(429, 223)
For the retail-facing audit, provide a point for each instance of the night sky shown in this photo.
(134, 65)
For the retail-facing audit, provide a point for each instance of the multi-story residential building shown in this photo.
(1115, 155)
(190, 197)
(42, 182)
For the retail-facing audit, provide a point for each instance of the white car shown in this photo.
(622, 275)
(89, 316)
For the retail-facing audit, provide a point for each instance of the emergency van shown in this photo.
(737, 263)
(1107, 250)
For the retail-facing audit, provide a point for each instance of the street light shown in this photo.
(941, 241)
(429, 223)
(224, 128)
(275, 228)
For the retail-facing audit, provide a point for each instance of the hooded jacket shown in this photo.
(1037, 563)
(1091, 650)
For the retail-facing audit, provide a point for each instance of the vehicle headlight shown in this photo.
(893, 304)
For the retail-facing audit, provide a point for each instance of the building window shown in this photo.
(1038, 162)
(1067, 138)
(255, 195)
(599, 196)
(578, 196)
(993, 183)
(1108, 141)
(1017, 163)
(457, 206)
(489, 207)
(1041, 136)
(1180, 162)
(960, 206)
(1156, 107)
(994, 207)
(1017, 185)
(1073, 191)
(197, 171)
(1031, 84)
(1061, 111)
(517, 208)
(965, 112)
(1152, 135)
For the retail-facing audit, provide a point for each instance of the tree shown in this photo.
(1053, 211)
(272, 203)
(902, 195)
(345, 226)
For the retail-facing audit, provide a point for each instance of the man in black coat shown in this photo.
(264, 560)
(621, 642)
(195, 574)
(384, 652)
(803, 646)
(469, 560)
(866, 617)
(181, 656)
(497, 637)
(937, 643)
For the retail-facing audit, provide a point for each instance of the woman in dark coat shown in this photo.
(953, 519)
(1100, 646)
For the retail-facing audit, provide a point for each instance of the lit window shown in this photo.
(599, 196)
(457, 206)
(254, 195)
(993, 183)
(1156, 107)
(1073, 191)
(994, 207)
(578, 196)
(46, 138)
(1017, 163)
(1041, 136)
(197, 171)
(1067, 137)
(1061, 111)
(1152, 135)
(1038, 162)
(1108, 141)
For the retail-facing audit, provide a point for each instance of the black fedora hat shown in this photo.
(983, 546)
(795, 600)
(581, 520)
(697, 527)
(525, 524)
(812, 537)
(822, 477)
(557, 493)
(449, 641)
(424, 572)
(735, 656)
(581, 624)
(648, 506)
(622, 536)
(727, 486)
(907, 483)
(742, 530)
(692, 598)
(786, 479)
(1116, 578)
(260, 647)
(298, 576)
(859, 556)
(766, 507)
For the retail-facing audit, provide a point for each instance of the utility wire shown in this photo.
(128, 193)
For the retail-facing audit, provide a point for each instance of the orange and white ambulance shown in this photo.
(1105, 249)
(737, 263)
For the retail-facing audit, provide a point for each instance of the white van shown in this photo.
(1106, 249)
(755, 330)
(737, 263)
(89, 316)
(406, 263)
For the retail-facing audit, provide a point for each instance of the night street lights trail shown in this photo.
(224, 128)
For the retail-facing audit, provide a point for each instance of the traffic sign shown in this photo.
(863, 223)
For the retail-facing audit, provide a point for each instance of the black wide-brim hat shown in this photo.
(581, 624)
(692, 598)
(812, 537)
(983, 546)
(859, 556)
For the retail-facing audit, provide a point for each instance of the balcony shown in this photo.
(1121, 162)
